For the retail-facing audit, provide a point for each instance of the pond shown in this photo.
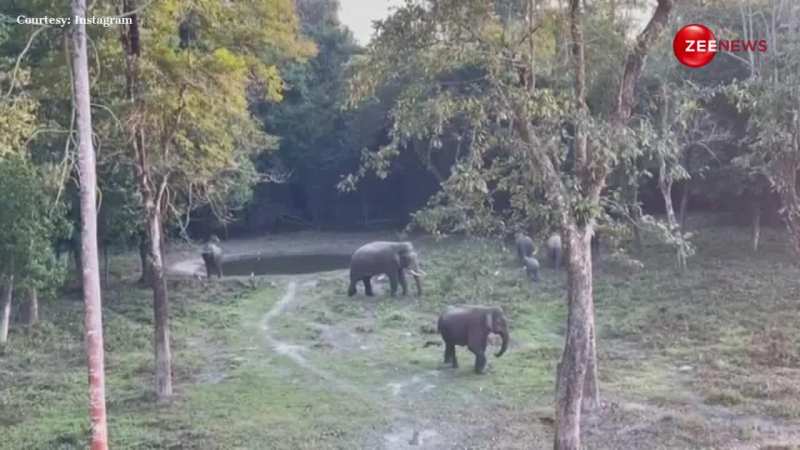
(285, 264)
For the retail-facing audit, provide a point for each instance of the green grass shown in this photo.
(720, 339)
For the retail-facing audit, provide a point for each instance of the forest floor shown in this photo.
(710, 359)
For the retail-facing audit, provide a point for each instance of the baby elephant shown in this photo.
(524, 246)
(212, 257)
(470, 326)
(531, 268)
(554, 250)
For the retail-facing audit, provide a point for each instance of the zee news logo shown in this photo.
(695, 45)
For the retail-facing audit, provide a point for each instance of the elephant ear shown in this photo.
(489, 321)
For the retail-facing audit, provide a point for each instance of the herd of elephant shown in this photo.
(465, 325)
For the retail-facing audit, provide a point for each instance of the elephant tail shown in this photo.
(432, 344)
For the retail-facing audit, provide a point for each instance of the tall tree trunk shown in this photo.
(8, 294)
(143, 252)
(665, 186)
(756, 224)
(32, 307)
(152, 191)
(580, 322)
(684, 205)
(93, 320)
(158, 283)
(575, 361)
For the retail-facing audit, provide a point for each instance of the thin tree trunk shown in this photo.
(665, 186)
(160, 310)
(93, 321)
(684, 205)
(152, 197)
(8, 294)
(143, 252)
(575, 361)
(756, 225)
(32, 307)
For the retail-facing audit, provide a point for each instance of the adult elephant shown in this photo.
(212, 257)
(470, 325)
(384, 257)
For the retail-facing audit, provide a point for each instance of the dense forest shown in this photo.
(549, 170)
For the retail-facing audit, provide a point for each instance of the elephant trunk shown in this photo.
(418, 282)
(504, 346)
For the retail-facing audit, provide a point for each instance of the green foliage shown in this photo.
(318, 140)
(28, 226)
(463, 70)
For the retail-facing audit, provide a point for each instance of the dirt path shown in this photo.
(295, 352)
(403, 400)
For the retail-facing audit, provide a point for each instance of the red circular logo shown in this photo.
(694, 45)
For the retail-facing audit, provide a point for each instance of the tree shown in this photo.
(316, 135)
(771, 99)
(514, 122)
(30, 221)
(93, 321)
(190, 69)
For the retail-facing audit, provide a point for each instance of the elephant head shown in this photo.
(496, 323)
(410, 261)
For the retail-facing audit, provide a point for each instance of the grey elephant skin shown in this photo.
(384, 257)
(470, 326)
(531, 267)
(212, 257)
(524, 245)
(554, 250)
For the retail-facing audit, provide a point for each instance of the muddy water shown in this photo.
(286, 264)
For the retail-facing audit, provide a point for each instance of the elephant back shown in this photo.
(212, 249)
(377, 257)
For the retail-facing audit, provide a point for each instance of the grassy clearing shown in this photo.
(703, 360)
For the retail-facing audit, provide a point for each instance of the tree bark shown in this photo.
(684, 205)
(665, 186)
(32, 307)
(575, 361)
(160, 308)
(756, 225)
(143, 252)
(8, 294)
(93, 321)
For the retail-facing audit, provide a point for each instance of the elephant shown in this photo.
(470, 325)
(383, 257)
(525, 247)
(531, 268)
(554, 250)
(212, 257)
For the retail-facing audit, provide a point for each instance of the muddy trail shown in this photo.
(404, 400)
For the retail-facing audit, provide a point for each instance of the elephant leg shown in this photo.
(368, 287)
(393, 283)
(477, 345)
(403, 285)
(450, 351)
(219, 269)
(450, 355)
(480, 362)
(351, 291)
